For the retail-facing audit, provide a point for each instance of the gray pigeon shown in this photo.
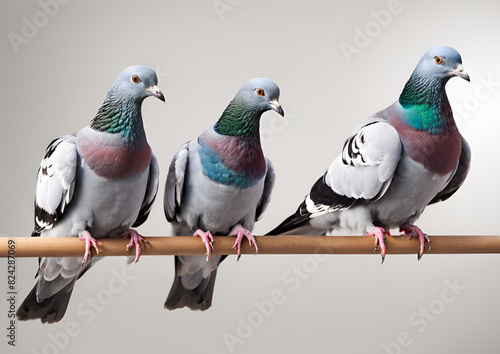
(96, 183)
(220, 184)
(394, 164)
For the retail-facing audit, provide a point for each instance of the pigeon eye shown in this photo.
(260, 92)
(135, 79)
(438, 60)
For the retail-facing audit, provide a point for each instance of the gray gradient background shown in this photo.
(348, 304)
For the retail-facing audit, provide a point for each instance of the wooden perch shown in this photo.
(189, 245)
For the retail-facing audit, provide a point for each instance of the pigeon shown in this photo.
(394, 163)
(219, 184)
(96, 183)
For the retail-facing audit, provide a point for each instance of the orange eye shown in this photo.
(438, 60)
(260, 92)
(135, 79)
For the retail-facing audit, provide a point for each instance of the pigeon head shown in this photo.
(261, 95)
(426, 84)
(442, 63)
(121, 109)
(242, 115)
(137, 82)
(424, 97)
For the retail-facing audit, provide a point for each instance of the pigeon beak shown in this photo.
(276, 106)
(155, 91)
(460, 72)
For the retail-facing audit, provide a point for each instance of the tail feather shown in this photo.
(49, 310)
(197, 298)
(49, 298)
(291, 224)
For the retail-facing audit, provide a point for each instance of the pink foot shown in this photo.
(240, 232)
(413, 231)
(379, 234)
(207, 240)
(135, 240)
(89, 240)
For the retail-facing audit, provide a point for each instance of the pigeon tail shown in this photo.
(198, 298)
(49, 310)
(293, 223)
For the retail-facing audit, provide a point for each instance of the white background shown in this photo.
(54, 82)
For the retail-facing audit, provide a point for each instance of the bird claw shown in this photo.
(207, 239)
(135, 240)
(240, 232)
(412, 232)
(379, 233)
(89, 242)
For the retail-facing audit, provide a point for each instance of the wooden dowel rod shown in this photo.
(189, 245)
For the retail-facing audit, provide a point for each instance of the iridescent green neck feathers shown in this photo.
(120, 116)
(425, 104)
(238, 119)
